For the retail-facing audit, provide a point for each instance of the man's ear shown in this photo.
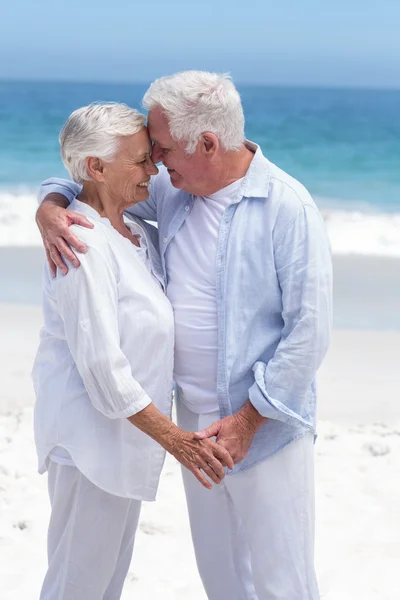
(95, 168)
(209, 143)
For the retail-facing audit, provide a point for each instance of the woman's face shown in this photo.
(128, 175)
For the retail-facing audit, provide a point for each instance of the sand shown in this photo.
(358, 479)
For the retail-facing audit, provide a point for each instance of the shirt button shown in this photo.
(187, 207)
(165, 240)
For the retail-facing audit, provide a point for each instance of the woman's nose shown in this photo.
(151, 167)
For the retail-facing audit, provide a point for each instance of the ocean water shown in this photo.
(343, 145)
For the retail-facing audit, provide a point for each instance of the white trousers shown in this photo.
(90, 538)
(253, 534)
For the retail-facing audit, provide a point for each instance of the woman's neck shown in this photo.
(107, 207)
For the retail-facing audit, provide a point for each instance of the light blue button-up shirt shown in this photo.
(274, 295)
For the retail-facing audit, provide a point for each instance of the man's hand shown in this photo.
(236, 432)
(200, 456)
(53, 221)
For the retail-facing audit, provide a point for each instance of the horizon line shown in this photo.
(327, 86)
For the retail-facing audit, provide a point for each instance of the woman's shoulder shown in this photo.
(99, 244)
(93, 238)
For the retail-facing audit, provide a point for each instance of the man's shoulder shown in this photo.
(289, 200)
(287, 190)
(284, 196)
(266, 180)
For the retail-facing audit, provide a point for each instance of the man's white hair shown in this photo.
(94, 130)
(197, 101)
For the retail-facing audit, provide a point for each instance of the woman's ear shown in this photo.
(95, 168)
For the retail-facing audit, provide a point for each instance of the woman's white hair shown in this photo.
(94, 130)
(197, 101)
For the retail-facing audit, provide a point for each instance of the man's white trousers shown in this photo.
(253, 534)
(90, 538)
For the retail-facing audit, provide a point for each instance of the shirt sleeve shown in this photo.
(56, 185)
(304, 269)
(87, 298)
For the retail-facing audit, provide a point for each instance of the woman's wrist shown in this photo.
(157, 426)
(170, 438)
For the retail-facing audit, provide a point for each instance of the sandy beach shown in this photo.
(358, 468)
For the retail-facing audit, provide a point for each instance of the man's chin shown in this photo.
(176, 180)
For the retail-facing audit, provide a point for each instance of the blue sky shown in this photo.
(298, 42)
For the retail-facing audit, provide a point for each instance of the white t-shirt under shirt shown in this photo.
(191, 269)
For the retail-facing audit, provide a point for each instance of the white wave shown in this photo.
(374, 234)
(17, 219)
(350, 232)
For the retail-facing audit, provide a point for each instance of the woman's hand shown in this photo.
(200, 456)
(54, 221)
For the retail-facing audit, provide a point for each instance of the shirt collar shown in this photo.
(257, 179)
(83, 208)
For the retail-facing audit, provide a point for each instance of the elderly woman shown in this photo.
(103, 371)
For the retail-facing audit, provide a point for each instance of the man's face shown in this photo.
(187, 171)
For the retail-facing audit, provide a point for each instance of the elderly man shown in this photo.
(248, 270)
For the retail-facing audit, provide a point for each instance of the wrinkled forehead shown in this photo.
(157, 124)
(135, 145)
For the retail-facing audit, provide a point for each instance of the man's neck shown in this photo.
(233, 166)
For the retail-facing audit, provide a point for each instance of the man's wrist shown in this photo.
(56, 199)
(52, 200)
(252, 416)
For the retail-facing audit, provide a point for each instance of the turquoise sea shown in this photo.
(343, 144)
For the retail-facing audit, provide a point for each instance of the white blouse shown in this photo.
(105, 353)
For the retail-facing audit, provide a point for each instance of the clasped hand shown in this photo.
(235, 433)
(200, 456)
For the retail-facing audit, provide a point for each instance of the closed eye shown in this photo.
(144, 161)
